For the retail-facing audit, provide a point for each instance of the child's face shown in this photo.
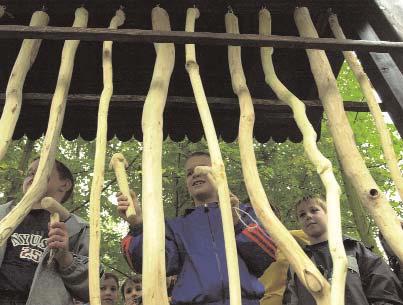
(199, 186)
(109, 292)
(57, 187)
(132, 292)
(313, 221)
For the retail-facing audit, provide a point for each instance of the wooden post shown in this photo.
(322, 164)
(47, 159)
(154, 272)
(217, 164)
(26, 57)
(303, 266)
(99, 164)
(353, 165)
(369, 93)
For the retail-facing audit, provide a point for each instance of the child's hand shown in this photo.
(59, 239)
(58, 236)
(123, 204)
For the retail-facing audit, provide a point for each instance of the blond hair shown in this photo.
(315, 199)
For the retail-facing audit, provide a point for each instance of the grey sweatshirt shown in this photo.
(52, 285)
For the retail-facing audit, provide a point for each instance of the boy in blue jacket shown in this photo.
(195, 245)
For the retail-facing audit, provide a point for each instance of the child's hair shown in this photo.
(136, 279)
(316, 199)
(196, 154)
(64, 173)
(109, 275)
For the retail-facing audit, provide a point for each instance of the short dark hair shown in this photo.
(110, 275)
(64, 173)
(136, 279)
(197, 154)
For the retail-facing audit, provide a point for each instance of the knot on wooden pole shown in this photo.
(312, 282)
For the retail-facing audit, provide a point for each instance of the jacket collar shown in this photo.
(203, 206)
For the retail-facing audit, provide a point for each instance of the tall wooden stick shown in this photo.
(47, 159)
(26, 57)
(218, 169)
(154, 283)
(303, 266)
(369, 93)
(351, 161)
(322, 164)
(99, 164)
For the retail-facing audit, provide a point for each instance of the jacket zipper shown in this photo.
(206, 209)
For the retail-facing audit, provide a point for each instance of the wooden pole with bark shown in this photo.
(47, 158)
(217, 164)
(99, 164)
(323, 165)
(301, 264)
(154, 271)
(26, 57)
(351, 161)
(369, 93)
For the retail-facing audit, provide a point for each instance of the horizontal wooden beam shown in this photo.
(92, 100)
(207, 38)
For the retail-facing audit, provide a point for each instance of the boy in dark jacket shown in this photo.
(195, 246)
(369, 279)
(26, 278)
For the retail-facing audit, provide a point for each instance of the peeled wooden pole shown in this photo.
(57, 213)
(26, 57)
(369, 93)
(154, 272)
(119, 165)
(47, 159)
(353, 165)
(99, 165)
(322, 164)
(217, 164)
(301, 264)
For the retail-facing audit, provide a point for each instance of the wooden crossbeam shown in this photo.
(208, 38)
(92, 100)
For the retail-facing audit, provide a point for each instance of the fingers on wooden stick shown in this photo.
(119, 165)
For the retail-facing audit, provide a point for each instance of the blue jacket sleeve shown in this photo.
(254, 245)
(132, 249)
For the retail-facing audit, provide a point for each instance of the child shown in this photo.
(25, 276)
(132, 290)
(369, 279)
(109, 289)
(195, 245)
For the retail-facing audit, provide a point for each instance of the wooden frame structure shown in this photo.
(274, 119)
